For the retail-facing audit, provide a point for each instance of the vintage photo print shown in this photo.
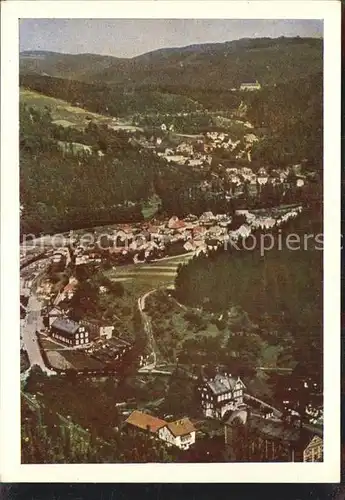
(170, 241)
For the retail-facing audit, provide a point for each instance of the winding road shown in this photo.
(148, 330)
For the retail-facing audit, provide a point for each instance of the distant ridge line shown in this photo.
(194, 46)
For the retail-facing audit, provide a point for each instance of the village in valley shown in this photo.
(139, 337)
(98, 348)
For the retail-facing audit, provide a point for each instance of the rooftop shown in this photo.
(70, 287)
(275, 429)
(66, 325)
(55, 310)
(181, 427)
(255, 82)
(221, 384)
(145, 421)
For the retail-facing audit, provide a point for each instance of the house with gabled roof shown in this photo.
(221, 394)
(313, 452)
(51, 315)
(175, 223)
(180, 433)
(69, 332)
(145, 421)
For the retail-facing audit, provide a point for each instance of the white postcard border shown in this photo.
(10, 469)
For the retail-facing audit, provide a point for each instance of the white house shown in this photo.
(242, 232)
(54, 313)
(221, 394)
(106, 332)
(81, 259)
(180, 433)
(250, 86)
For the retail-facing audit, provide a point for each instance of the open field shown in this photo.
(58, 361)
(81, 360)
(63, 113)
(140, 278)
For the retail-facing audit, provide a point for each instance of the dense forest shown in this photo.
(281, 290)
(292, 113)
(109, 100)
(61, 190)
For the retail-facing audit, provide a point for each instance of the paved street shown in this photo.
(33, 322)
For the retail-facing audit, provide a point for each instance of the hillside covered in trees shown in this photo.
(280, 290)
(111, 100)
(62, 190)
(292, 115)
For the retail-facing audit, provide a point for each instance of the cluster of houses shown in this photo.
(184, 154)
(261, 429)
(158, 238)
(313, 408)
(199, 153)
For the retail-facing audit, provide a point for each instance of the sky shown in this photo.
(131, 37)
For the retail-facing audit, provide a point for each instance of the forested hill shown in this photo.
(215, 65)
(62, 190)
(70, 66)
(113, 100)
(293, 115)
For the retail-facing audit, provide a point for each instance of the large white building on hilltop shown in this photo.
(250, 86)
